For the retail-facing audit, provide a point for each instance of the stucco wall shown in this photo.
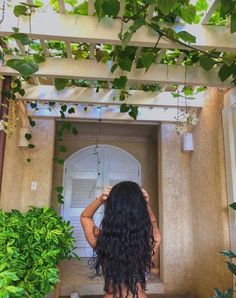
(175, 212)
(210, 228)
(17, 175)
(193, 205)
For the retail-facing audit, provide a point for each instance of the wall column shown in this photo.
(175, 212)
(18, 175)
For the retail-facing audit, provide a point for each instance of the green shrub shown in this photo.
(31, 245)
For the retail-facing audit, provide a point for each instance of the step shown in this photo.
(76, 276)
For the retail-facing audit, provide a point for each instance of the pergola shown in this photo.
(159, 106)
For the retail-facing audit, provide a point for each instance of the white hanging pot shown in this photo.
(188, 145)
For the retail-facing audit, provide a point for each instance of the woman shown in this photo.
(126, 240)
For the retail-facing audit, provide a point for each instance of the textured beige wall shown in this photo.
(17, 175)
(175, 212)
(210, 228)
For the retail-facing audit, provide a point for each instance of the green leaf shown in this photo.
(71, 110)
(231, 267)
(60, 199)
(59, 160)
(120, 82)
(38, 58)
(114, 67)
(23, 38)
(98, 8)
(188, 13)
(206, 62)
(233, 205)
(111, 8)
(226, 71)
(62, 149)
(59, 189)
(64, 108)
(188, 91)
(133, 112)
(124, 108)
(20, 10)
(74, 131)
(28, 136)
(228, 253)
(31, 121)
(82, 9)
(126, 38)
(165, 6)
(15, 290)
(147, 58)
(137, 24)
(31, 146)
(201, 5)
(60, 84)
(25, 67)
(227, 6)
(125, 64)
(186, 37)
(233, 22)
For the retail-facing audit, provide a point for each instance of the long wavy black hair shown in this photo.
(123, 254)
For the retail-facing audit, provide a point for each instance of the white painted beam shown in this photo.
(92, 70)
(76, 28)
(82, 95)
(108, 114)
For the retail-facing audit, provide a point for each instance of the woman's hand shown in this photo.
(145, 195)
(105, 194)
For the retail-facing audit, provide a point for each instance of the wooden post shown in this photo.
(3, 110)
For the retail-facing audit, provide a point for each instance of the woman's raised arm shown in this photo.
(91, 231)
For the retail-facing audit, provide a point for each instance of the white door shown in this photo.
(86, 173)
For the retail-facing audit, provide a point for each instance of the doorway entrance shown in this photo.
(86, 173)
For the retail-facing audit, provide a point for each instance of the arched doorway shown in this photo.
(86, 173)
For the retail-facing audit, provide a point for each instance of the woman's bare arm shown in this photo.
(91, 231)
(156, 232)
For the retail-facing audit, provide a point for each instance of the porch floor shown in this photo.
(76, 276)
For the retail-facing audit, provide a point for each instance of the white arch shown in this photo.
(102, 146)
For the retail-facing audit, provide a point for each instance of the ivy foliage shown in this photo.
(229, 293)
(125, 57)
(31, 245)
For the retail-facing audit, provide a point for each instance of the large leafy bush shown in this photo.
(31, 245)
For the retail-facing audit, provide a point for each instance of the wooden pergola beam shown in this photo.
(83, 95)
(78, 28)
(92, 70)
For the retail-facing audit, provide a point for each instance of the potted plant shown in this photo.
(31, 245)
(229, 293)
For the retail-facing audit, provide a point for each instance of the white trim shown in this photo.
(83, 95)
(108, 114)
(74, 28)
(92, 70)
